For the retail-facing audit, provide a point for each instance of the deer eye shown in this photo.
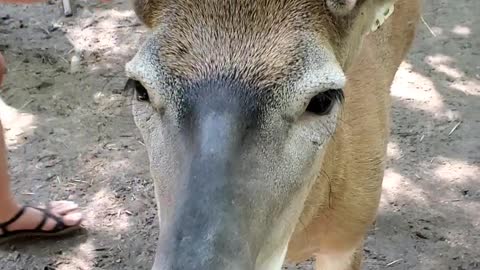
(322, 104)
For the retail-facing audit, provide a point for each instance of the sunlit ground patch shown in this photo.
(17, 124)
(419, 90)
(103, 206)
(82, 257)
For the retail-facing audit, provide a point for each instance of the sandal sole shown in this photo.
(39, 234)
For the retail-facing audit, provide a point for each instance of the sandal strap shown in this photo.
(4, 225)
(47, 213)
(42, 222)
(59, 224)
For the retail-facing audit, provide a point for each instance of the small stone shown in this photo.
(75, 63)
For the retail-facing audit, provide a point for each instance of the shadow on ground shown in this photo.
(429, 213)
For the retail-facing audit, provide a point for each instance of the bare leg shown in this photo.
(31, 218)
(7, 202)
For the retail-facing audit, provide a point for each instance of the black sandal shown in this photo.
(59, 229)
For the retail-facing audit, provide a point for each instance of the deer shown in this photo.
(266, 124)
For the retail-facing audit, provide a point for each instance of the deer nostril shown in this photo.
(141, 92)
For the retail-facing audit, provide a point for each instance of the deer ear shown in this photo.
(148, 11)
(341, 7)
(383, 10)
(380, 10)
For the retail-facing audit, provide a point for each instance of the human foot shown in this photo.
(60, 217)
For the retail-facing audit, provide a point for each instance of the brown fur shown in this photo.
(274, 56)
(343, 201)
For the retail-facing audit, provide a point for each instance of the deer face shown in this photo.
(237, 102)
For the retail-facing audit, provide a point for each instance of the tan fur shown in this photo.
(274, 56)
(341, 7)
(343, 201)
(149, 11)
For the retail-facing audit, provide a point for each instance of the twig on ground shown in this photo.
(428, 27)
(394, 262)
(79, 181)
(454, 128)
(26, 104)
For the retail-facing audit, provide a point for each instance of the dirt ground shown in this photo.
(71, 136)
